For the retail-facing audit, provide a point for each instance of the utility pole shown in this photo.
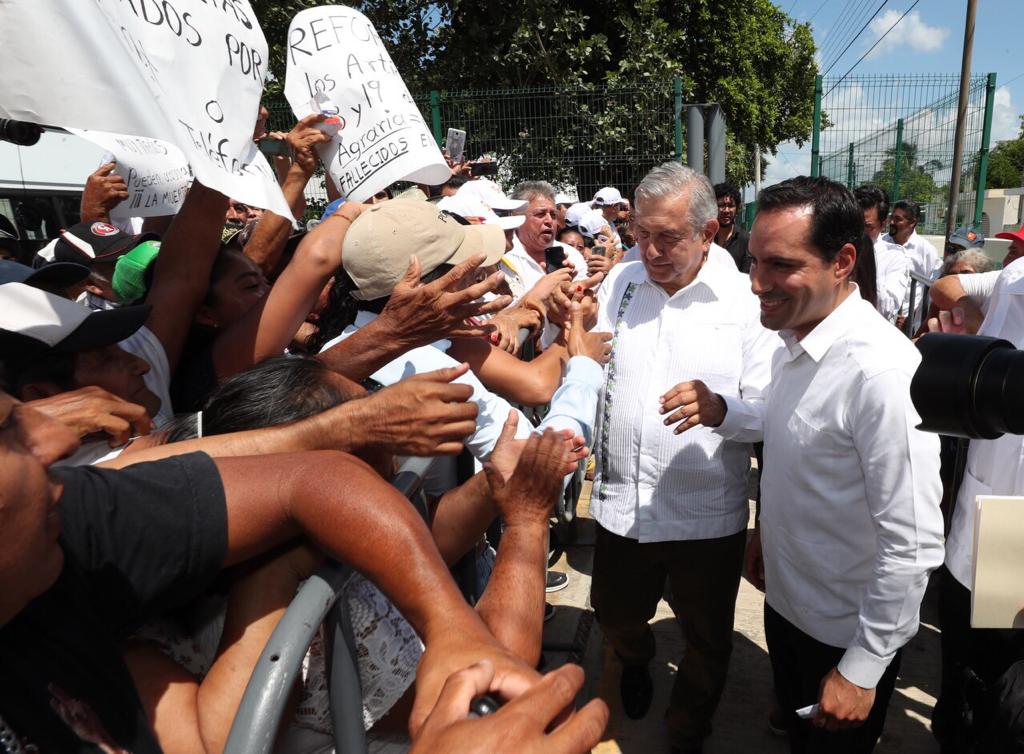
(757, 169)
(961, 118)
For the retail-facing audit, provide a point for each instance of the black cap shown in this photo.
(88, 243)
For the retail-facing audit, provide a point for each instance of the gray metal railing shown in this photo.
(924, 284)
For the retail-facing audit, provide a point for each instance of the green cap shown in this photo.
(129, 281)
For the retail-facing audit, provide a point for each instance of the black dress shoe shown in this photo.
(637, 690)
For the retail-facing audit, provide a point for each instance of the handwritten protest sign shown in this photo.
(335, 52)
(189, 72)
(156, 172)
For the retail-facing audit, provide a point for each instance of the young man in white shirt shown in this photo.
(670, 505)
(922, 258)
(850, 525)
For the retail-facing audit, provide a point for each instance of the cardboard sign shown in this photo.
(188, 72)
(156, 173)
(335, 56)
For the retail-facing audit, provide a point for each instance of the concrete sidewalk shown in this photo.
(740, 724)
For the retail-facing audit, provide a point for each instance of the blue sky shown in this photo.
(928, 40)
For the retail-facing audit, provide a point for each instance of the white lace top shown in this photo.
(388, 652)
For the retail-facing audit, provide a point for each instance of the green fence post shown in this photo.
(851, 170)
(677, 97)
(816, 129)
(435, 115)
(899, 161)
(986, 137)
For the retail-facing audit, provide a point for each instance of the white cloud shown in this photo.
(1005, 116)
(790, 161)
(911, 34)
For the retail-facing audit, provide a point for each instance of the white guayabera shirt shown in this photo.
(651, 484)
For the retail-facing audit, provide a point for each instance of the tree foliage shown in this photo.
(749, 56)
(916, 180)
(1006, 162)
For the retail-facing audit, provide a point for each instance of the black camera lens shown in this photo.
(19, 132)
(969, 386)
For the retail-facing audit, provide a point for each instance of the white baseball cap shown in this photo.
(607, 197)
(491, 196)
(33, 322)
(575, 213)
(591, 223)
(468, 207)
(563, 197)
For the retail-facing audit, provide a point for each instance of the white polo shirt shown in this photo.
(651, 484)
(850, 520)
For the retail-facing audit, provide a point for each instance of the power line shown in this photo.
(842, 14)
(815, 14)
(855, 36)
(871, 48)
(1005, 83)
(840, 38)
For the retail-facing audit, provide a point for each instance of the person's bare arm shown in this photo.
(417, 314)
(268, 240)
(183, 266)
(354, 516)
(425, 415)
(189, 717)
(531, 383)
(158, 225)
(269, 326)
(513, 603)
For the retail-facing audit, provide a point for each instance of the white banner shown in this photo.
(338, 64)
(156, 173)
(188, 72)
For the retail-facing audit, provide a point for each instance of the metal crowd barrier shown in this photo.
(256, 725)
(924, 284)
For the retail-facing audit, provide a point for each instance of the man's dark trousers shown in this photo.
(799, 663)
(704, 576)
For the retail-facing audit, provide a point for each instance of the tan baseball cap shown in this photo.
(377, 247)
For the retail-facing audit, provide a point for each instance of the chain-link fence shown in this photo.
(897, 131)
(579, 139)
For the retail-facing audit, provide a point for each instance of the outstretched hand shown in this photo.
(521, 726)
(420, 313)
(92, 410)
(425, 415)
(531, 491)
(508, 449)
